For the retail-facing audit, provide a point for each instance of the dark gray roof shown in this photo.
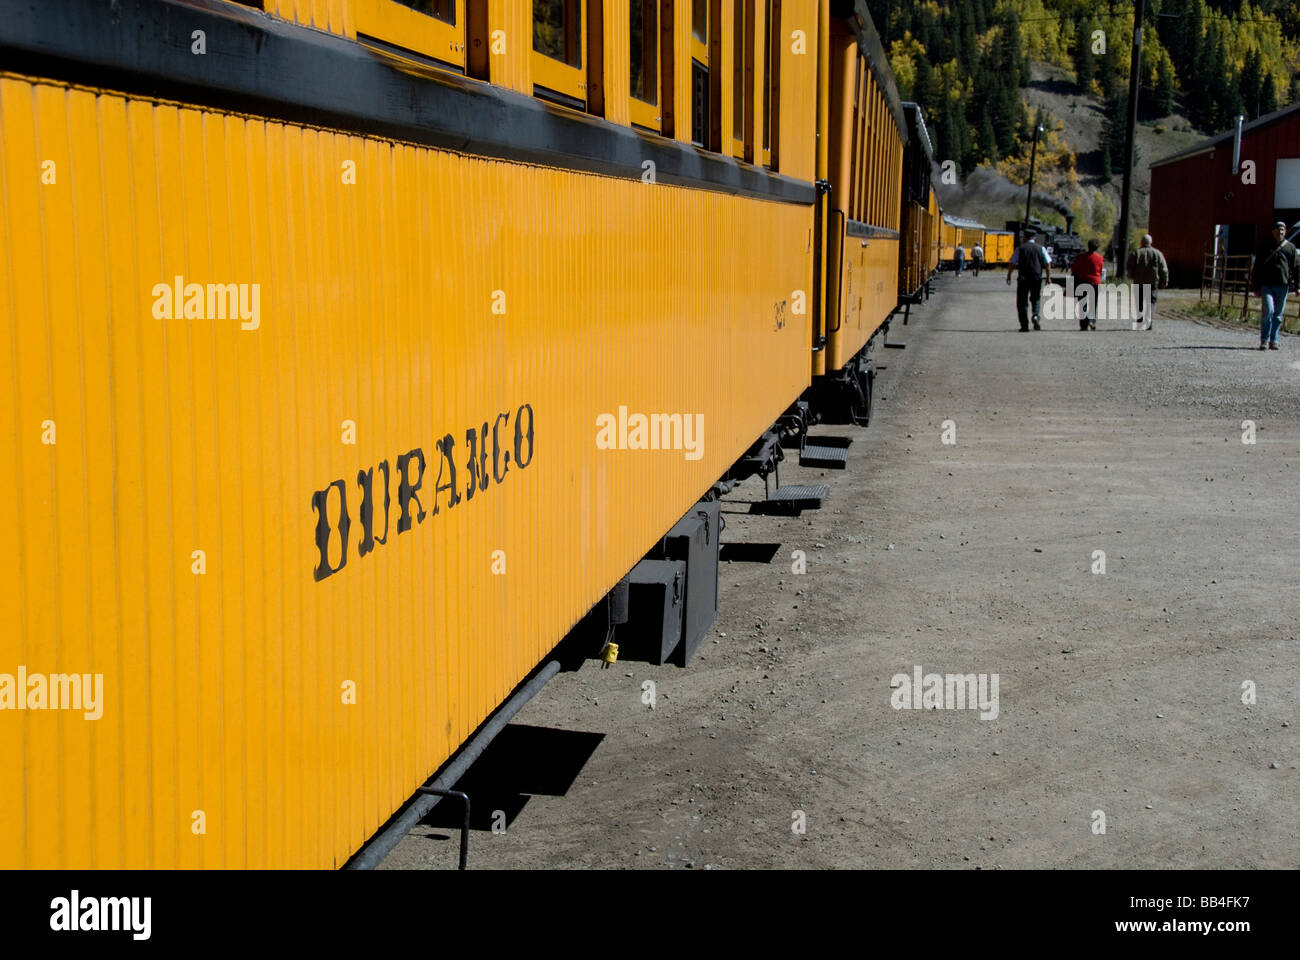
(1219, 139)
(917, 121)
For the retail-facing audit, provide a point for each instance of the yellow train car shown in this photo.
(916, 262)
(930, 239)
(958, 230)
(861, 211)
(998, 246)
(325, 377)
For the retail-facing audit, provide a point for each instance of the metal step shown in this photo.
(831, 458)
(793, 499)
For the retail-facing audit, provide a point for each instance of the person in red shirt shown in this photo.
(1086, 270)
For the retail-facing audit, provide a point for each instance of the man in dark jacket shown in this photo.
(1030, 261)
(1275, 272)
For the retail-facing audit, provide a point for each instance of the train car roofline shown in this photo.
(268, 68)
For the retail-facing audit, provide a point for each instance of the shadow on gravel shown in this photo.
(748, 552)
(521, 762)
(1044, 330)
(1192, 347)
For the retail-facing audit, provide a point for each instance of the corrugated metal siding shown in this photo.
(513, 69)
(947, 241)
(797, 154)
(868, 292)
(618, 60)
(223, 691)
(998, 247)
(332, 16)
(865, 155)
(911, 267)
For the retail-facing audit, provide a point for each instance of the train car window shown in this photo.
(701, 105)
(700, 20)
(558, 40)
(868, 140)
(557, 30)
(861, 157)
(435, 29)
(880, 158)
(444, 10)
(743, 81)
(873, 154)
(738, 77)
(771, 83)
(717, 78)
(645, 63)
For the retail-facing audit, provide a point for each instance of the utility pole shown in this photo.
(1134, 85)
(1033, 157)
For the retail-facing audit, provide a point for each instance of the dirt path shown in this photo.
(1119, 692)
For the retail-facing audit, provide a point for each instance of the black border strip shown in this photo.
(256, 64)
(856, 228)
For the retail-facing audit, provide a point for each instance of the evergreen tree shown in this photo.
(1083, 56)
(1113, 133)
(1174, 32)
(988, 141)
(949, 144)
(1267, 95)
(967, 51)
(926, 90)
(1164, 93)
(1010, 55)
(1249, 85)
(1108, 72)
(1222, 95)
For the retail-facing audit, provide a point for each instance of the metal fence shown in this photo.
(1226, 281)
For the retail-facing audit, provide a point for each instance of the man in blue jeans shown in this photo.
(1275, 272)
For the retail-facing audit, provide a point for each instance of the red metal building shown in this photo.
(1198, 202)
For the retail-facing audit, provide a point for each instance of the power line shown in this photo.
(948, 13)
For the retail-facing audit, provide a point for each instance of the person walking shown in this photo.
(1275, 272)
(959, 259)
(1086, 270)
(976, 258)
(1031, 262)
(1147, 267)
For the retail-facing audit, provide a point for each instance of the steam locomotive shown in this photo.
(1062, 244)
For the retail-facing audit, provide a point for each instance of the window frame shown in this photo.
(397, 24)
(701, 120)
(741, 45)
(556, 76)
(696, 40)
(642, 113)
(770, 152)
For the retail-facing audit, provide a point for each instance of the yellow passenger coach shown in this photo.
(312, 314)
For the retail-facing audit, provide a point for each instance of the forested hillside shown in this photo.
(965, 62)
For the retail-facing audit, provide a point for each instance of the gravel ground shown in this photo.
(1119, 692)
